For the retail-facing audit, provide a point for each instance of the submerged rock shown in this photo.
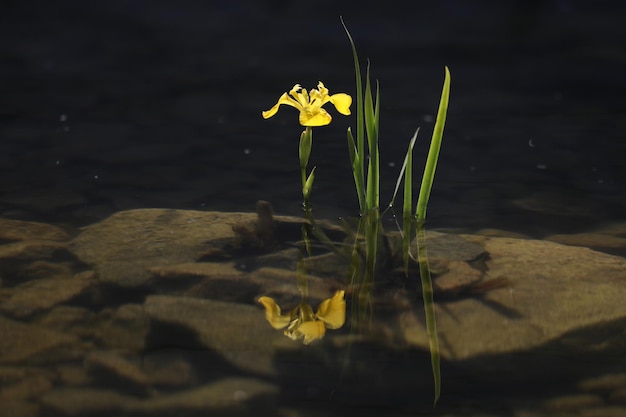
(43, 294)
(126, 328)
(22, 230)
(237, 332)
(124, 246)
(26, 342)
(554, 289)
(236, 396)
(167, 320)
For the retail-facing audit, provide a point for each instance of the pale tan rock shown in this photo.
(85, 401)
(148, 369)
(238, 332)
(115, 365)
(70, 319)
(573, 402)
(214, 280)
(127, 328)
(124, 246)
(27, 388)
(23, 230)
(237, 395)
(553, 289)
(29, 342)
(240, 396)
(457, 278)
(19, 408)
(31, 250)
(590, 240)
(43, 294)
(606, 382)
(608, 411)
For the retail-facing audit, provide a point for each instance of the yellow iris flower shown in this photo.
(310, 104)
(302, 322)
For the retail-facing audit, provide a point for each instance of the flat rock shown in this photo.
(116, 365)
(238, 332)
(126, 328)
(27, 388)
(43, 294)
(23, 230)
(85, 401)
(124, 246)
(549, 295)
(19, 408)
(28, 342)
(142, 370)
(68, 319)
(599, 241)
(31, 250)
(237, 396)
(452, 247)
(219, 281)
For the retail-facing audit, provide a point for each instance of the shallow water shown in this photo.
(127, 105)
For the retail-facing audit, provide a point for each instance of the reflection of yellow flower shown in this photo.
(310, 104)
(301, 322)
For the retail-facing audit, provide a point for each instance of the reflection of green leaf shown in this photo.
(429, 307)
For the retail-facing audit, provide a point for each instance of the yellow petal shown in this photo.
(272, 313)
(342, 102)
(320, 117)
(322, 89)
(284, 99)
(333, 311)
(311, 330)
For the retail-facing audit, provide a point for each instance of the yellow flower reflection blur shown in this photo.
(301, 322)
(310, 104)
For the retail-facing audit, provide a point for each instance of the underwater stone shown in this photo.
(22, 230)
(84, 401)
(43, 294)
(234, 396)
(554, 290)
(237, 332)
(124, 246)
(29, 342)
(127, 328)
(31, 250)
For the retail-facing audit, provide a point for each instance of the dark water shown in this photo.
(117, 105)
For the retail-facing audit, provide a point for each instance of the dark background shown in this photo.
(113, 105)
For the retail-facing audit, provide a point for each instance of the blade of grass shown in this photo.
(407, 206)
(403, 169)
(433, 152)
(371, 127)
(360, 123)
(356, 164)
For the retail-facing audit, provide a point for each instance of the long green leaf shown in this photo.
(371, 127)
(407, 206)
(360, 122)
(433, 152)
(356, 164)
(402, 171)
